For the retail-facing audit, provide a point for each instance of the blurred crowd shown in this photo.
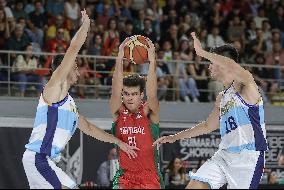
(254, 27)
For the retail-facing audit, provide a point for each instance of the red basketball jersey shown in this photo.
(136, 130)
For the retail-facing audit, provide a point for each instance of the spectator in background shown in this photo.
(155, 12)
(5, 29)
(273, 179)
(148, 30)
(103, 19)
(172, 36)
(139, 21)
(57, 41)
(110, 38)
(257, 45)
(127, 32)
(215, 16)
(240, 48)
(236, 30)
(168, 56)
(52, 30)
(281, 157)
(276, 58)
(161, 64)
(54, 7)
(18, 11)
(85, 77)
(38, 16)
(260, 17)
(104, 5)
(277, 20)
(103, 173)
(175, 174)
(24, 69)
(35, 34)
(30, 6)
(198, 72)
(250, 31)
(18, 41)
(123, 6)
(163, 84)
(94, 44)
(72, 13)
(276, 38)
(9, 13)
(168, 22)
(203, 37)
(214, 39)
(266, 28)
(3, 73)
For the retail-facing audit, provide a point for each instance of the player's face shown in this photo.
(73, 75)
(132, 98)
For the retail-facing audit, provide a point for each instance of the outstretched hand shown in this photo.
(197, 45)
(85, 18)
(129, 150)
(163, 140)
(121, 48)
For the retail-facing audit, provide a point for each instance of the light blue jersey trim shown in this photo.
(201, 179)
(41, 117)
(66, 123)
(238, 149)
(35, 146)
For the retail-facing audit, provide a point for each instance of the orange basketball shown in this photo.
(136, 50)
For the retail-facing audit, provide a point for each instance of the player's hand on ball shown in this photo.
(121, 48)
(151, 50)
(165, 139)
(129, 150)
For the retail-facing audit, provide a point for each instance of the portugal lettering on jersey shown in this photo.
(137, 130)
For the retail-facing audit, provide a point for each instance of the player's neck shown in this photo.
(226, 80)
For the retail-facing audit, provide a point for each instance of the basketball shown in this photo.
(135, 50)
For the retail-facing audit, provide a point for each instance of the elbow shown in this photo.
(207, 127)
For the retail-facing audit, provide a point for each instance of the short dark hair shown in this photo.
(227, 50)
(56, 61)
(134, 81)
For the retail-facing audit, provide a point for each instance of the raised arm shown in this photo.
(117, 81)
(205, 127)
(92, 130)
(227, 65)
(68, 62)
(151, 84)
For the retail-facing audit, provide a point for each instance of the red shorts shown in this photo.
(136, 180)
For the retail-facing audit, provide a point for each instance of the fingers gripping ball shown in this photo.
(135, 50)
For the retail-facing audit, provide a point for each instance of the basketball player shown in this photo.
(136, 123)
(56, 120)
(239, 114)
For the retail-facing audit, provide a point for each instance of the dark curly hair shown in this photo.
(227, 50)
(134, 81)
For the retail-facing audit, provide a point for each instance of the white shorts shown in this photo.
(238, 170)
(42, 173)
